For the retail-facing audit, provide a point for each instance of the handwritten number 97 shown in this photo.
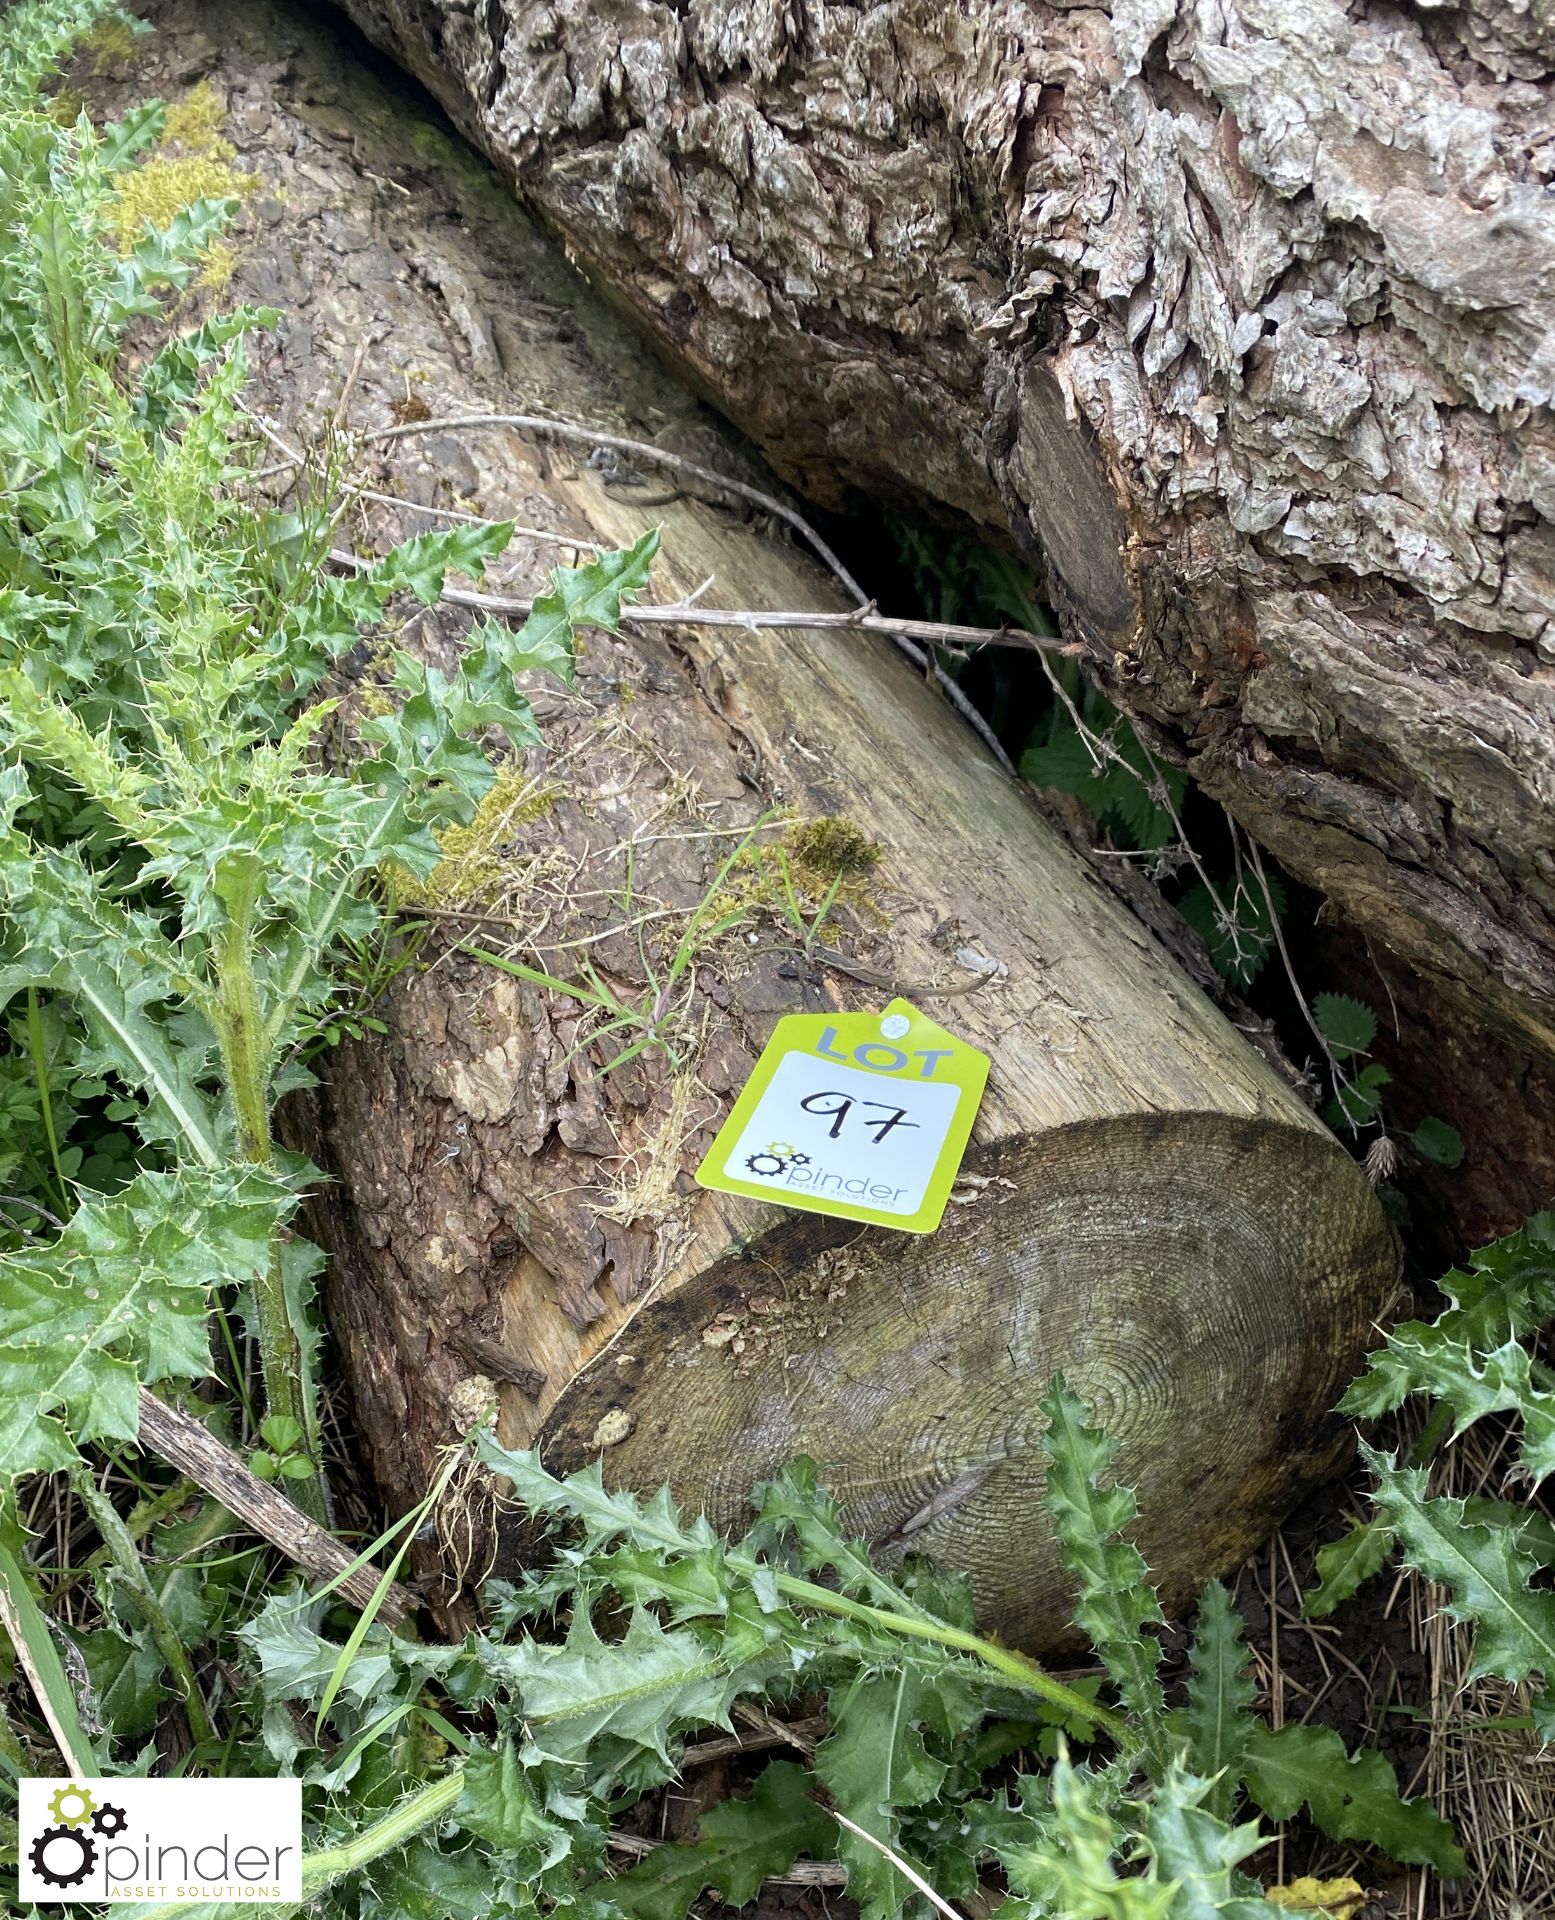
(839, 1105)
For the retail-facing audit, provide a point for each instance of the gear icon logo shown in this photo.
(109, 1821)
(63, 1856)
(72, 1806)
(775, 1158)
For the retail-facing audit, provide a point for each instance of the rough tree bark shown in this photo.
(1242, 313)
(1146, 1203)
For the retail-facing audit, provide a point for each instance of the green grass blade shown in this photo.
(38, 1658)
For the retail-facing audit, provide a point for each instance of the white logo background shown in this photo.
(168, 1840)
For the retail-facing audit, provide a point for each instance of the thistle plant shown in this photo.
(180, 865)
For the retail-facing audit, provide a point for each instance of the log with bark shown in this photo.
(1146, 1204)
(1241, 316)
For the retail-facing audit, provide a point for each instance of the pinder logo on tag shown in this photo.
(172, 1841)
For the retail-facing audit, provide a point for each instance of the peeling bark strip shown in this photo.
(1244, 311)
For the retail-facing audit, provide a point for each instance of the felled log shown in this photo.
(1145, 1205)
(1239, 316)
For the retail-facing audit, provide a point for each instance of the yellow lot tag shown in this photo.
(862, 1115)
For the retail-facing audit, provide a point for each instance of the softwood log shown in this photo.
(1145, 1205)
(1240, 315)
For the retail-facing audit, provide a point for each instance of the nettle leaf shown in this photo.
(1239, 930)
(120, 1298)
(1438, 1142)
(1357, 1102)
(1345, 1564)
(1349, 1026)
(1116, 1601)
(1217, 1723)
(742, 1842)
(1353, 1798)
(1145, 790)
(1487, 1570)
(1115, 779)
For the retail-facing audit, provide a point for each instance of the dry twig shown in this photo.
(185, 1444)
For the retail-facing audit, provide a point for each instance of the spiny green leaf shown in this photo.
(420, 564)
(1070, 1864)
(606, 1513)
(1352, 1798)
(877, 1761)
(1216, 1724)
(1116, 1601)
(1473, 1386)
(1197, 1852)
(742, 1842)
(1361, 1551)
(794, 1508)
(123, 139)
(1486, 1569)
(120, 1298)
(121, 973)
(588, 596)
(296, 1662)
(1534, 1528)
(500, 1805)
(587, 1701)
(1508, 1294)
(126, 1672)
(424, 1881)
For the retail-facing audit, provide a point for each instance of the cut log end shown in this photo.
(1205, 1284)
